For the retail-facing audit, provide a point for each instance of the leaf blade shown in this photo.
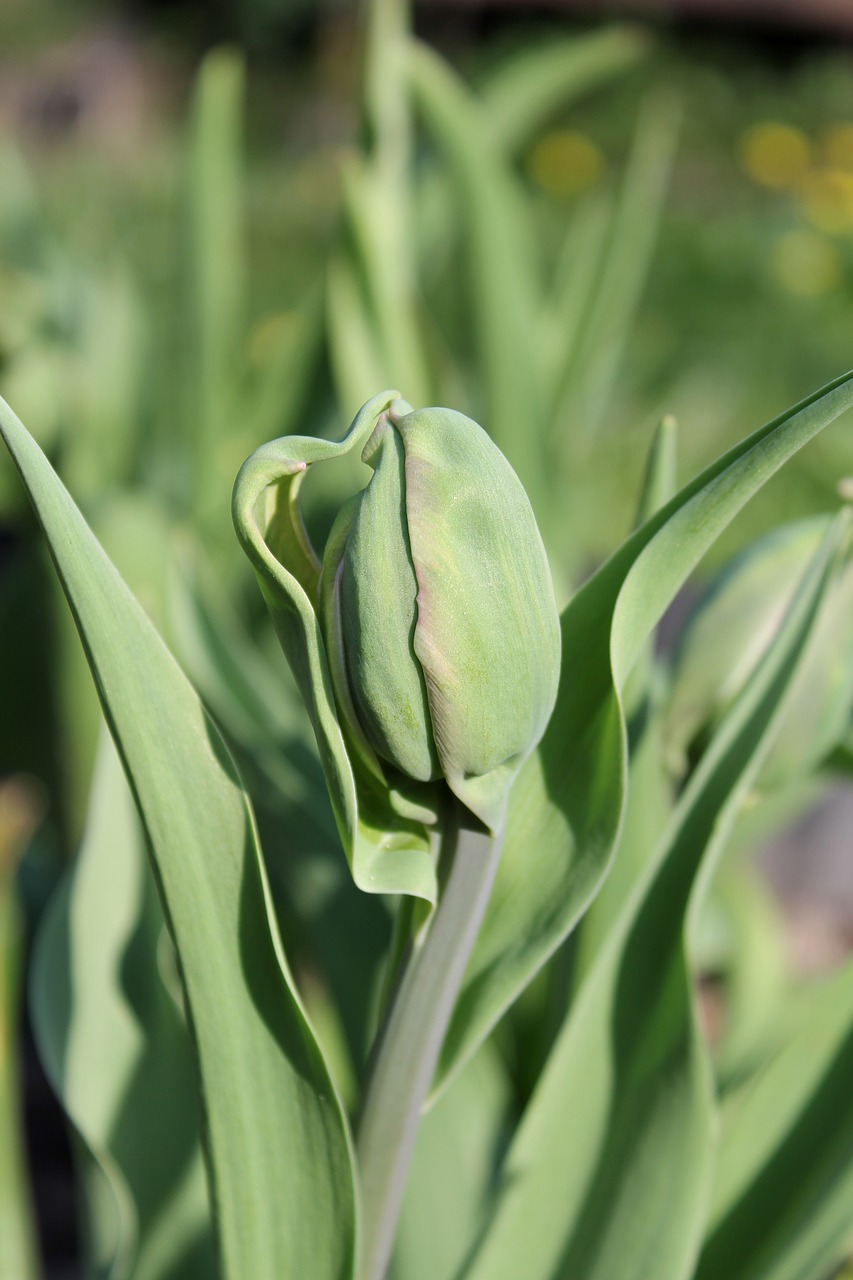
(618, 1186)
(272, 1114)
(566, 807)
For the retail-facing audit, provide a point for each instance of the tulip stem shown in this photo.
(411, 1037)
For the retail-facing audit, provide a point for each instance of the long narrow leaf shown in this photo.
(521, 95)
(566, 807)
(214, 254)
(593, 361)
(500, 255)
(609, 1175)
(271, 1115)
(378, 198)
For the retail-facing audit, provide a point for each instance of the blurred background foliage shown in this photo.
(745, 306)
(228, 222)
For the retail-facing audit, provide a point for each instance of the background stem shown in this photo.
(411, 1038)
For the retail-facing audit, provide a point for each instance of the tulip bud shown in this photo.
(438, 610)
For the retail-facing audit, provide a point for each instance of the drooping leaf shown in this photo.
(609, 1174)
(566, 807)
(388, 851)
(271, 1114)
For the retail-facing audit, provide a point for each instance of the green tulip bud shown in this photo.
(438, 610)
(426, 643)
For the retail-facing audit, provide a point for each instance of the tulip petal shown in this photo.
(379, 614)
(487, 634)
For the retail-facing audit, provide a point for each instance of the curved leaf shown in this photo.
(271, 1115)
(731, 627)
(566, 806)
(609, 1174)
(524, 92)
(387, 853)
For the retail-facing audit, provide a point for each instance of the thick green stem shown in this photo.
(412, 1037)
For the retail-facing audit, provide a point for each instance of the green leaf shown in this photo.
(569, 300)
(377, 202)
(357, 362)
(216, 270)
(649, 797)
(452, 1172)
(101, 389)
(566, 806)
(525, 91)
(375, 210)
(648, 805)
(271, 1115)
(783, 1197)
(284, 351)
(727, 635)
(387, 852)
(731, 627)
(343, 931)
(116, 1049)
(609, 1174)
(500, 256)
(592, 362)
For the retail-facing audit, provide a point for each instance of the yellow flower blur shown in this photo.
(775, 155)
(564, 163)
